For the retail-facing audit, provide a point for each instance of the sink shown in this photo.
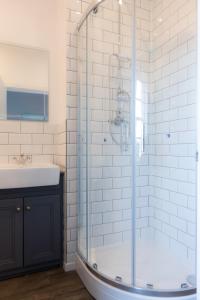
(31, 175)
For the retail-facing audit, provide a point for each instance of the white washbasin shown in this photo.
(31, 175)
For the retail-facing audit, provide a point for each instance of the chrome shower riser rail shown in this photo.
(93, 6)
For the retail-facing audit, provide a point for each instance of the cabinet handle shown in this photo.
(28, 208)
(18, 209)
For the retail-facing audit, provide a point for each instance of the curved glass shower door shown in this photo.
(110, 123)
(137, 144)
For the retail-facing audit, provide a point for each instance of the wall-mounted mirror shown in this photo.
(23, 83)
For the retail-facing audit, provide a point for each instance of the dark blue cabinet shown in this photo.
(31, 229)
(11, 234)
(42, 229)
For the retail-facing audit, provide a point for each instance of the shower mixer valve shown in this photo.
(121, 117)
(118, 120)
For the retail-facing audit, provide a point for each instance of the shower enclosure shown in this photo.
(137, 147)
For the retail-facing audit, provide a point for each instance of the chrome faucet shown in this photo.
(23, 159)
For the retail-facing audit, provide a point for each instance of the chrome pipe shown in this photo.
(91, 7)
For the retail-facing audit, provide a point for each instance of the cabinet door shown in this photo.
(42, 230)
(11, 234)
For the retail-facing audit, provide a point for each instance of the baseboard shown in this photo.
(69, 267)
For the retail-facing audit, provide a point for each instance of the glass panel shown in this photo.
(110, 159)
(82, 127)
(166, 38)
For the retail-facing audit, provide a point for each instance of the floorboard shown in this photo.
(51, 285)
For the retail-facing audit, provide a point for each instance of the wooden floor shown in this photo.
(51, 285)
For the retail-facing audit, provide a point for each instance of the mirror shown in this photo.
(23, 83)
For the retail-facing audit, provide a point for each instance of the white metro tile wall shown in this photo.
(172, 131)
(26, 137)
(45, 142)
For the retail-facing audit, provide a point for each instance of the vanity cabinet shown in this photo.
(42, 229)
(11, 234)
(31, 229)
